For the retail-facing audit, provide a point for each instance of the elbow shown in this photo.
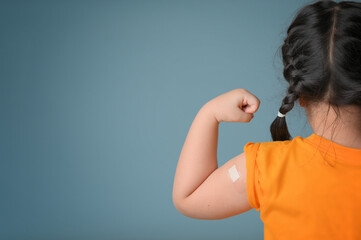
(179, 204)
(180, 208)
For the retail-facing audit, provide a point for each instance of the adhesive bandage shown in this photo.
(233, 173)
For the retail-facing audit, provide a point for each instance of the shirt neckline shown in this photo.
(340, 153)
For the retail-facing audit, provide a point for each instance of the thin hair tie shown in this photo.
(281, 115)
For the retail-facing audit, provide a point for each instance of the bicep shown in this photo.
(219, 196)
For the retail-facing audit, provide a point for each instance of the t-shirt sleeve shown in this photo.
(253, 174)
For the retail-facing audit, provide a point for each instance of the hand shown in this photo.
(237, 105)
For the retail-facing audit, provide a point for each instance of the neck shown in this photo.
(344, 130)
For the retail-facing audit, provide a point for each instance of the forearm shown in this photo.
(198, 158)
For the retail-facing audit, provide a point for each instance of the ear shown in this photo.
(301, 101)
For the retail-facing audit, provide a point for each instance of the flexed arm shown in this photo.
(197, 175)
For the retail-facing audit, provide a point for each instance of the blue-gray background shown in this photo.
(97, 98)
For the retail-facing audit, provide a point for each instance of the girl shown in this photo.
(306, 188)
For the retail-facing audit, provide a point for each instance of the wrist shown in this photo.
(208, 110)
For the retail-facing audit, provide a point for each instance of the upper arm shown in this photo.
(218, 196)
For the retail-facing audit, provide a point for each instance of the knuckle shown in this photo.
(241, 89)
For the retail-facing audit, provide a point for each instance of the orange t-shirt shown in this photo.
(306, 188)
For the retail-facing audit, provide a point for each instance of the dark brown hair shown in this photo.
(322, 59)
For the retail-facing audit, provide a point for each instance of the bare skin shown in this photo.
(201, 189)
(346, 130)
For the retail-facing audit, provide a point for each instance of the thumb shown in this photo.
(249, 108)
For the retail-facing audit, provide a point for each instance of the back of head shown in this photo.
(322, 59)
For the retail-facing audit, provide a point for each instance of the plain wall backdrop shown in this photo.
(96, 101)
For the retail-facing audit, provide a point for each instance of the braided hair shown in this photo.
(322, 59)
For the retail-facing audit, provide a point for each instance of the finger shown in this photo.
(245, 117)
(248, 109)
(250, 102)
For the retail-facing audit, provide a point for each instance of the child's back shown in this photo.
(310, 188)
(306, 188)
